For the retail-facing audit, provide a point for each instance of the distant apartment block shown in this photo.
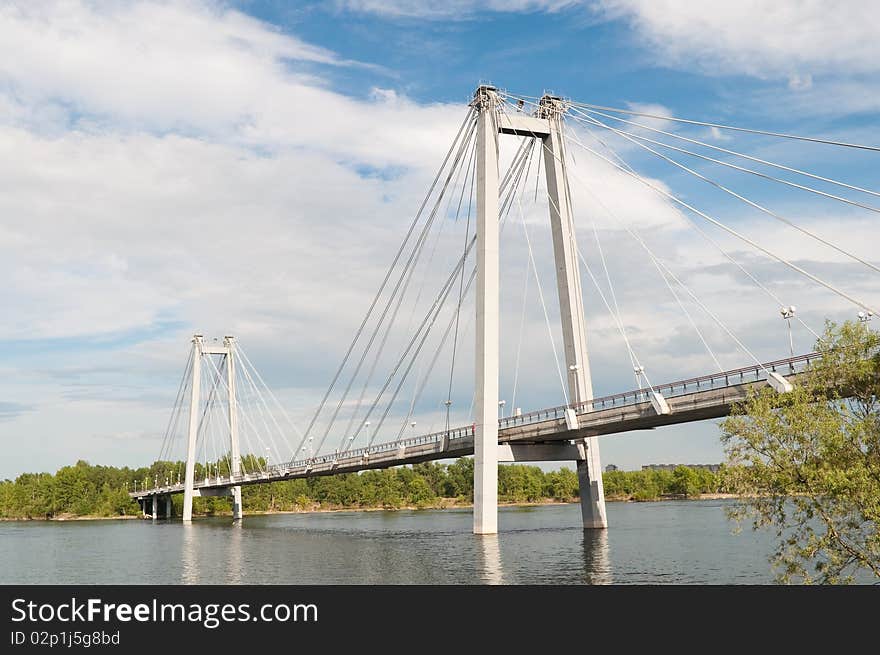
(671, 467)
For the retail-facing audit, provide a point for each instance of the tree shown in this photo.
(460, 479)
(808, 461)
(419, 491)
(561, 484)
(685, 481)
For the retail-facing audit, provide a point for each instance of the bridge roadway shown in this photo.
(696, 399)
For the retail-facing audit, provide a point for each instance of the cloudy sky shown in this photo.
(250, 168)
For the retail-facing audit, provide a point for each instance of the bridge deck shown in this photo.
(695, 399)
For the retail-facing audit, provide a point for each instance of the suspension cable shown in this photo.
(405, 274)
(761, 208)
(728, 151)
(510, 181)
(728, 127)
(708, 239)
(468, 117)
(731, 231)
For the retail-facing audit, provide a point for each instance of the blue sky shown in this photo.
(248, 167)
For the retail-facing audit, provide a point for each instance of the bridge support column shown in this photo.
(169, 507)
(155, 514)
(487, 324)
(233, 427)
(590, 487)
(195, 390)
(571, 309)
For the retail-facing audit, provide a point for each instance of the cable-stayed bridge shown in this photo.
(232, 428)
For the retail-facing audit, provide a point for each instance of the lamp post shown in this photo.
(788, 314)
(864, 317)
(501, 404)
(357, 432)
(639, 372)
(577, 392)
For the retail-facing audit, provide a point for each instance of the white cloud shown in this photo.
(172, 168)
(800, 82)
(759, 38)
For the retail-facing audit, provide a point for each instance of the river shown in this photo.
(685, 542)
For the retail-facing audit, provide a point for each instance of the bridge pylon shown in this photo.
(545, 125)
(200, 350)
(571, 308)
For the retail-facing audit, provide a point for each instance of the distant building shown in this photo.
(671, 467)
(611, 467)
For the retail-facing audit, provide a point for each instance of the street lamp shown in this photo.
(501, 404)
(639, 371)
(864, 317)
(788, 314)
(577, 392)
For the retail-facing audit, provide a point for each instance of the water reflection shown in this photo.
(653, 543)
(189, 558)
(597, 557)
(233, 564)
(491, 559)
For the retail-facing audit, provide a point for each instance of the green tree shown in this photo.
(809, 461)
(460, 479)
(419, 491)
(561, 484)
(686, 481)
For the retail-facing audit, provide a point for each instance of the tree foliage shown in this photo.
(809, 462)
(86, 490)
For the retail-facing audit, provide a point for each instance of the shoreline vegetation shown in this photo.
(447, 503)
(87, 492)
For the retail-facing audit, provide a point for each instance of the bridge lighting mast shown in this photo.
(788, 314)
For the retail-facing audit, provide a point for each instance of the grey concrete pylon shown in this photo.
(235, 466)
(571, 309)
(200, 349)
(487, 307)
(195, 391)
(547, 126)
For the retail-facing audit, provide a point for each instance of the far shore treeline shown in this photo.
(102, 491)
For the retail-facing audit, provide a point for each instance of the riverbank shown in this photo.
(444, 503)
(71, 517)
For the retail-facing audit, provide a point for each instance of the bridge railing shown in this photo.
(788, 366)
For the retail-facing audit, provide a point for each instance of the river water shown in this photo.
(684, 542)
